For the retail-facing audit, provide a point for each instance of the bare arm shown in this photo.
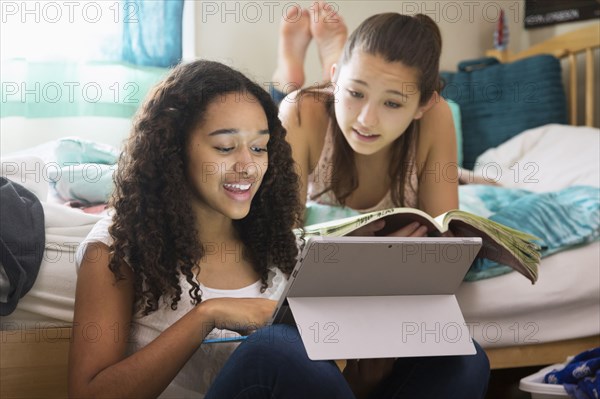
(437, 161)
(306, 123)
(103, 314)
(297, 138)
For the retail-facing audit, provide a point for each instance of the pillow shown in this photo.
(86, 172)
(76, 150)
(546, 158)
(455, 109)
(76, 170)
(498, 101)
(88, 183)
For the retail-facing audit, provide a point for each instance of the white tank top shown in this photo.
(196, 376)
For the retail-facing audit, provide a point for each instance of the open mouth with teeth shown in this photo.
(365, 136)
(237, 188)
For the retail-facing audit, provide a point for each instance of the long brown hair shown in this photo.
(154, 228)
(416, 42)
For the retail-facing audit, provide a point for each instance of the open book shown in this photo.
(501, 244)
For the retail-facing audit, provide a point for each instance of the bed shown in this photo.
(35, 337)
(517, 324)
(545, 323)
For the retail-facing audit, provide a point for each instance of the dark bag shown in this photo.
(22, 240)
(498, 101)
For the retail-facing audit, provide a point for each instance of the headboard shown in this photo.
(568, 46)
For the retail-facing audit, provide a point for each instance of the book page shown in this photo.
(396, 221)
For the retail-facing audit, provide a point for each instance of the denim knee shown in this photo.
(274, 338)
(272, 362)
(475, 373)
(448, 377)
(276, 95)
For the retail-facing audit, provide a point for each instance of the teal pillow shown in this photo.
(498, 101)
(455, 108)
(75, 150)
(85, 170)
(89, 183)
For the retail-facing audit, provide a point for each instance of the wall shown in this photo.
(244, 33)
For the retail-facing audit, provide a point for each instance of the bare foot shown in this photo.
(294, 37)
(330, 33)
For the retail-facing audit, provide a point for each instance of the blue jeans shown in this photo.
(276, 95)
(272, 363)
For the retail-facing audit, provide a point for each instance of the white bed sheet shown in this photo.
(546, 158)
(50, 302)
(564, 303)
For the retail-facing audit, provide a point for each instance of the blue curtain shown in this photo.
(90, 69)
(152, 32)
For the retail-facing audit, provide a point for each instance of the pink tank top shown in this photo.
(319, 180)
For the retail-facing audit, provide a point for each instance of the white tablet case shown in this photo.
(379, 297)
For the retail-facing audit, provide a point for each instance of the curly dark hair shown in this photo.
(154, 227)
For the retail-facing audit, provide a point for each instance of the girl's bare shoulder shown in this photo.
(306, 111)
(436, 128)
(306, 118)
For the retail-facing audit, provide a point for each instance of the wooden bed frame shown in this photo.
(33, 363)
(567, 46)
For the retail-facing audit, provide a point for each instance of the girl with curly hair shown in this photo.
(198, 246)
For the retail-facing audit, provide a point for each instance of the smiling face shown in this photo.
(227, 156)
(376, 101)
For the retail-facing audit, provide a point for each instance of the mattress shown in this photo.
(501, 311)
(563, 304)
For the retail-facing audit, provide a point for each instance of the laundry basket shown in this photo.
(534, 384)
